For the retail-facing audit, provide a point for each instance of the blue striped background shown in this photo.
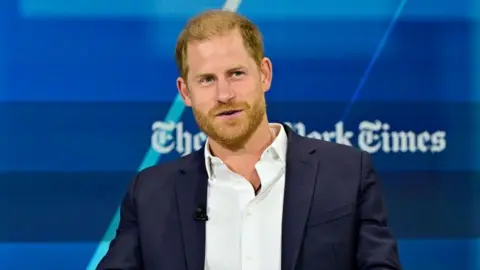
(81, 82)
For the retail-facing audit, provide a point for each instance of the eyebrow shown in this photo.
(234, 68)
(203, 75)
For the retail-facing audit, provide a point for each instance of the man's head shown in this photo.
(223, 71)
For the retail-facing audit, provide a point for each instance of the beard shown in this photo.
(234, 133)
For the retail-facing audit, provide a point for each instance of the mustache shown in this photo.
(228, 107)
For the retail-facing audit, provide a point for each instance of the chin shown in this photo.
(230, 131)
(231, 127)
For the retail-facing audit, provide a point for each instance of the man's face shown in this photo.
(225, 89)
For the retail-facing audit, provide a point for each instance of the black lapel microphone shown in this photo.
(200, 214)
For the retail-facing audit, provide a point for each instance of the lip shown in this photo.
(230, 115)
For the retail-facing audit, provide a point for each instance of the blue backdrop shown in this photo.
(88, 97)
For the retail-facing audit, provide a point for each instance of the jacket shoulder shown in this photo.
(164, 174)
(337, 154)
(333, 148)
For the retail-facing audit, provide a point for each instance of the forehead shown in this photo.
(217, 52)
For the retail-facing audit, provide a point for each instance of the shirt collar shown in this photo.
(279, 144)
(278, 149)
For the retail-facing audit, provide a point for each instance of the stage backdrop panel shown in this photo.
(88, 98)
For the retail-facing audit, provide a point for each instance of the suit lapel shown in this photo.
(191, 189)
(301, 173)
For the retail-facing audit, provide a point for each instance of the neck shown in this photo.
(255, 146)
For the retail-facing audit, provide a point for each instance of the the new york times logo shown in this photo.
(372, 137)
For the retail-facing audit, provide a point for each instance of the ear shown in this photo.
(266, 73)
(183, 91)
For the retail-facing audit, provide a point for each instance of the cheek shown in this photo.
(246, 89)
(202, 96)
(203, 107)
(203, 103)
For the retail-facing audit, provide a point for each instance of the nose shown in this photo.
(225, 91)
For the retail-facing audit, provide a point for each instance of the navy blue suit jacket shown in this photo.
(334, 217)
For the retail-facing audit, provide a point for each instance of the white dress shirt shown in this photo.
(244, 230)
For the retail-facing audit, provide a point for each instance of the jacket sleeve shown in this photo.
(377, 247)
(124, 250)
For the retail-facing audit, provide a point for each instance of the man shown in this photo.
(257, 196)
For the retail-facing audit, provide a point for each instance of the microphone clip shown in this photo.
(200, 215)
